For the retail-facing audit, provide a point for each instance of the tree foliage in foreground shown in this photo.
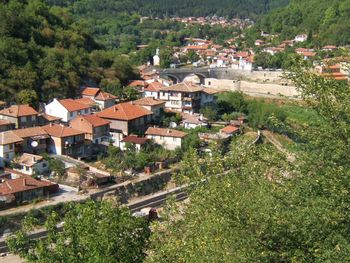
(266, 209)
(93, 232)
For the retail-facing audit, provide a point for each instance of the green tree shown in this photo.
(93, 232)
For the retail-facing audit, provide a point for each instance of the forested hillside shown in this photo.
(45, 54)
(157, 8)
(327, 21)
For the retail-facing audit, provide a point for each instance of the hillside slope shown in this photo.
(161, 8)
(327, 21)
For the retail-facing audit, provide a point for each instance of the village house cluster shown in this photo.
(85, 126)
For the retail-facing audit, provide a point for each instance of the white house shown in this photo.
(30, 164)
(153, 89)
(194, 121)
(67, 109)
(300, 38)
(8, 140)
(170, 139)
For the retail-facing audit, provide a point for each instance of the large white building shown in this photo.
(67, 109)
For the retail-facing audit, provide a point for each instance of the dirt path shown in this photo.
(270, 138)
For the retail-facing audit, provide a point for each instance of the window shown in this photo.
(11, 146)
(27, 168)
(33, 118)
(209, 83)
(71, 114)
(23, 119)
(44, 165)
(174, 139)
(86, 110)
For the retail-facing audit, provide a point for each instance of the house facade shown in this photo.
(170, 139)
(66, 141)
(154, 105)
(95, 128)
(22, 116)
(6, 125)
(35, 140)
(67, 109)
(102, 99)
(8, 141)
(182, 97)
(125, 118)
(30, 164)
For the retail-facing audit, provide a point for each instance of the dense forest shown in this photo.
(44, 54)
(327, 22)
(164, 8)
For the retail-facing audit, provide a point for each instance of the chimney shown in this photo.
(51, 124)
(201, 117)
(33, 159)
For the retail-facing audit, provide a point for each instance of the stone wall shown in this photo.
(252, 88)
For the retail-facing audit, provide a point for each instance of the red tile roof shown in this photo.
(18, 111)
(135, 139)
(229, 129)
(86, 101)
(200, 47)
(60, 131)
(124, 111)
(165, 132)
(30, 132)
(73, 105)
(154, 87)
(138, 83)
(8, 137)
(89, 91)
(148, 101)
(105, 96)
(94, 120)
(50, 117)
(5, 122)
(211, 91)
(13, 186)
(28, 160)
(183, 87)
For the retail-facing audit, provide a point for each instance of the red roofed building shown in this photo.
(153, 89)
(22, 116)
(65, 140)
(8, 141)
(125, 118)
(170, 139)
(230, 130)
(67, 109)
(102, 99)
(134, 140)
(25, 189)
(154, 105)
(95, 128)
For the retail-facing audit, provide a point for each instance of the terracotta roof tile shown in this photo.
(138, 83)
(124, 111)
(18, 111)
(135, 139)
(30, 132)
(183, 87)
(86, 101)
(94, 120)
(105, 96)
(8, 137)
(13, 186)
(229, 129)
(89, 91)
(211, 91)
(165, 132)
(73, 105)
(154, 87)
(28, 160)
(148, 101)
(61, 131)
(5, 122)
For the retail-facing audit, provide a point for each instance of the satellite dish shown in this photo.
(173, 124)
(34, 144)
